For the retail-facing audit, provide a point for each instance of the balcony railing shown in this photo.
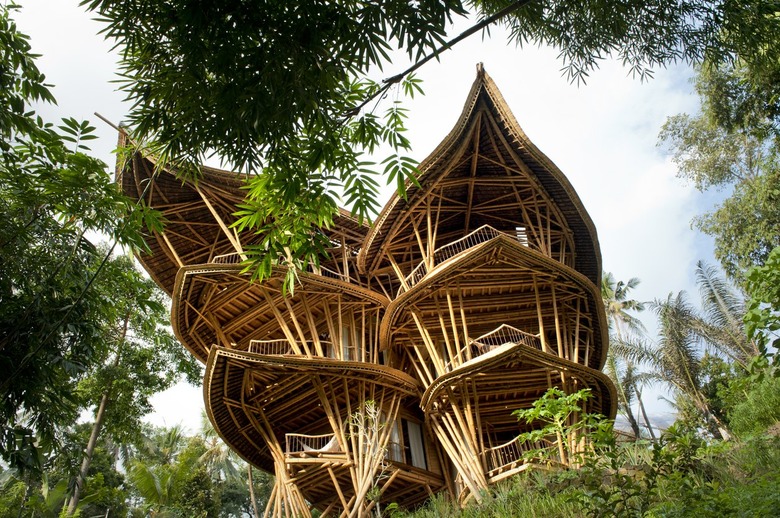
(502, 335)
(506, 334)
(297, 444)
(505, 455)
(231, 258)
(441, 254)
(281, 347)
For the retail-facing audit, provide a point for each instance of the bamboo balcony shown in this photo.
(502, 335)
(327, 272)
(507, 459)
(235, 258)
(231, 258)
(481, 235)
(297, 443)
(506, 334)
(282, 347)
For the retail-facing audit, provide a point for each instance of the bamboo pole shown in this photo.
(233, 241)
(280, 319)
(473, 171)
(542, 338)
(463, 320)
(454, 324)
(398, 272)
(297, 326)
(429, 345)
(557, 321)
(338, 487)
(452, 353)
(312, 325)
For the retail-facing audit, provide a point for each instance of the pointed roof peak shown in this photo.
(485, 102)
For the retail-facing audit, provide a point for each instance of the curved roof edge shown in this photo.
(186, 274)
(141, 173)
(476, 255)
(500, 354)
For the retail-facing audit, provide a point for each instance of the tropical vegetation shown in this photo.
(83, 332)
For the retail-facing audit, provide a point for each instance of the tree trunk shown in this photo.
(631, 418)
(626, 406)
(644, 414)
(252, 491)
(622, 396)
(93, 437)
(87, 460)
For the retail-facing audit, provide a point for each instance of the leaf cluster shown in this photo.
(733, 144)
(762, 319)
(52, 194)
(281, 90)
(645, 34)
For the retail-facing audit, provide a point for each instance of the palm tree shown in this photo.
(219, 459)
(625, 390)
(222, 461)
(155, 484)
(676, 358)
(722, 326)
(617, 306)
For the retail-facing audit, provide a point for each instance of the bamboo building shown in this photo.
(391, 373)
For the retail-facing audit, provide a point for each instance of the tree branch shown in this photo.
(390, 81)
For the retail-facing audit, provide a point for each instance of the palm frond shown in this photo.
(724, 308)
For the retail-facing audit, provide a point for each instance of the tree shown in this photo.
(734, 143)
(24, 496)
(762, 319)
(721, 323)
(677, 359)
(156, 471)
(173, 479)
(627, 379)
(698, 352)
(239, 488)
(561, 415)
(368, 434)
(281, 90)
(52, 194)
(140, 358)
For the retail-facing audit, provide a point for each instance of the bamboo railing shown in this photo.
(502, 335)
(511, 452)
(279, 347)
(231, 258)
(235, 258)
(441, 254)
(506, 334)
(327, 272)
(297, 443)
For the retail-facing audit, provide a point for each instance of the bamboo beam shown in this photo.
(338, 488)
(539, 314)
(454, 325)
(233, 241)
(176, 257)
(557, 320)
(281, 321)
(473, 171)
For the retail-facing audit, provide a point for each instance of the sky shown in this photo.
(601, 135)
